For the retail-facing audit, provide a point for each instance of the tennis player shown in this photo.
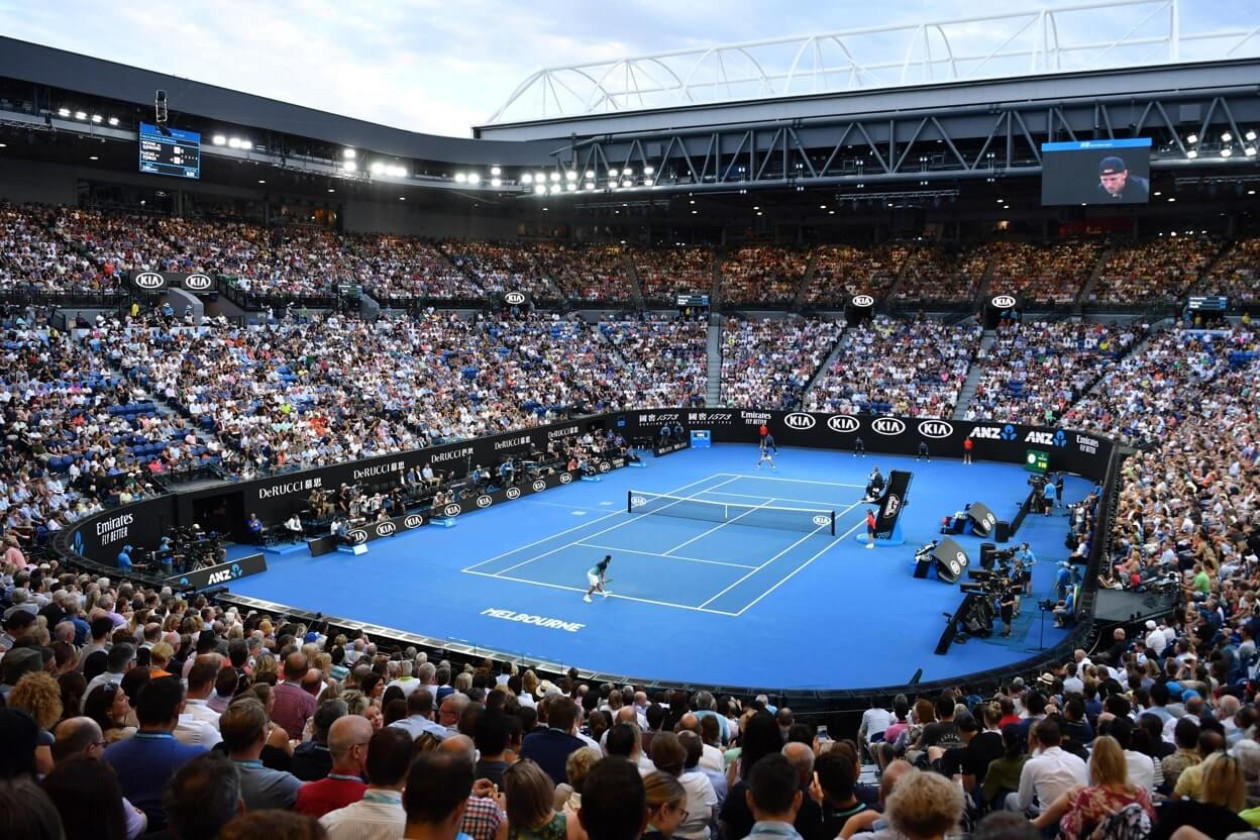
(766, 443)
(870, 528)
(595, 576)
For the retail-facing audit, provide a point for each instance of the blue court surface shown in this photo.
(746, 595)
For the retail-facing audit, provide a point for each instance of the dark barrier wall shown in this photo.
(275, 499)
(1075, 452)
(251, 564)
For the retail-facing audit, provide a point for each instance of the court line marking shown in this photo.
(569, 507)
(792, 573)
(670, 556)
(596, 534)
(719, 526)
(764, 565)
(576, 527)
(793, 480)
(611, 595)
(823, 504)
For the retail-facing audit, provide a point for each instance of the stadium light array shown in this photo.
(555, 176)
(1250, 136)
(98, 119)
(80, 115)
(570, 186)
(1192, 154)
(540, 177)
(461, 177)
(1192, 139)
(1250, 151)
(540, 189)
(496, 182)
(649, 170)
(496, 171)
(377, 168)
(474, 178)
(63, 112)
(527, 178)
(590, 185)
(589, 174)
(613, 173)
(1227, 152)
(349, 154)
(113, 121)
(219, 140)
(571, 175)
(350, 166)
(1227, 137)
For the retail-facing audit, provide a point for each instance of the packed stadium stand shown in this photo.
(210, 381)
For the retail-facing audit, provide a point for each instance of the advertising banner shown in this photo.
(221, 573)
(159, 281)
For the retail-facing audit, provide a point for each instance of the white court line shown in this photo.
(763, 565)
(597, 533)
(567, 507)
(719, 526)
(670, 556)
(576, 527)
(792, 573)
(793, 480)
(611, 595)
(822, 504)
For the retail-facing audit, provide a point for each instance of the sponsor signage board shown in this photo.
(221, 573)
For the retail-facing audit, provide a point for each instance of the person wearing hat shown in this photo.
(16, 664)
(1116, 184)
(1156, 641)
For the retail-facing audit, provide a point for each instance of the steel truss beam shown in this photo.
(996, 142)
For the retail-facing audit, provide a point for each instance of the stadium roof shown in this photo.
(1086, 37)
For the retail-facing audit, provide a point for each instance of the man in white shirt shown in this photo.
(1156, 641)
(875, 722)
(379, 815)
(1049, 773)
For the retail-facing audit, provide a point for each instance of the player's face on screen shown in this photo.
(1113, 182)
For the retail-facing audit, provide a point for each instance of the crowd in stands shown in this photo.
(1234, 274)
(665, 361)
(501, 267)
(767, 363)
(1036, 370)
(938, 273)
(1052, 273)
(588, 272)
(1157, 271)
(907, 367)
(841, 271)
(669, 271)
(763, 274)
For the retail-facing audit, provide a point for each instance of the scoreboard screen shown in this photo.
(1208, 304)
(169, 151)
(692, 300)
(1096, 172)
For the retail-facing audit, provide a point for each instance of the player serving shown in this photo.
(767, 443)
(596, 576)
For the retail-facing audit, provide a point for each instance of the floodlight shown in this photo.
(540, 189)
(527, 178)
(474, 178)
(98, 119)
(80, 115)
(63, 112)
(350, 166)
(377, 168)
(1227, 137)
(349, 154)
(461, 177)
(219, 140)
(113, 120)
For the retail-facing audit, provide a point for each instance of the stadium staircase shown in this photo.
(986, 282)
(713, 352)
(825, 366)
(636, 284)
(1088, 288)
(972, 382)
(807, 280)
(715, 292)
(895, 286)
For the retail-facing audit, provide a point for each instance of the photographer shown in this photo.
(1006, 607)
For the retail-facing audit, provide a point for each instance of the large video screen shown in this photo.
(1096, 172)
(169, 151)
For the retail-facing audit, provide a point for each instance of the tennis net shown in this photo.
(642, 503)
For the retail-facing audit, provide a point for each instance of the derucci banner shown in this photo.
(159, 281)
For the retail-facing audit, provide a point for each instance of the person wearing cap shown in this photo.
(16, 664)
(1116, 184)
(1156, 641)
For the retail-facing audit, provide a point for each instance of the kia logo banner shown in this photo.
(539, 485)
(513, 493)
(1003, 302)
(413, 520)
(935, 429)
(358, 535)
(156, 281)
(452, 510)
(150, 281)
(516, 298)
(799, 421)
(863, 301)
(888, 426)
(385, 529)
(843, 423)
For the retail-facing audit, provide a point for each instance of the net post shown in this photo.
(629, 495)
(833, 523)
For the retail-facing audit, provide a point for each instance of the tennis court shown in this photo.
(718, 545)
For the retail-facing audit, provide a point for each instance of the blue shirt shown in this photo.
(124, 561)
(144, 763)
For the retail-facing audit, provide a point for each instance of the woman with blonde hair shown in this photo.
(1079, 810)
(666, 801)
(924, 806)
(40, 694)
(1222, 795)
(530, 797)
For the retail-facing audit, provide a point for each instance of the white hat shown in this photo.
(1150, 624)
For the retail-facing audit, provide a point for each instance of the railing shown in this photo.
(84, 300)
